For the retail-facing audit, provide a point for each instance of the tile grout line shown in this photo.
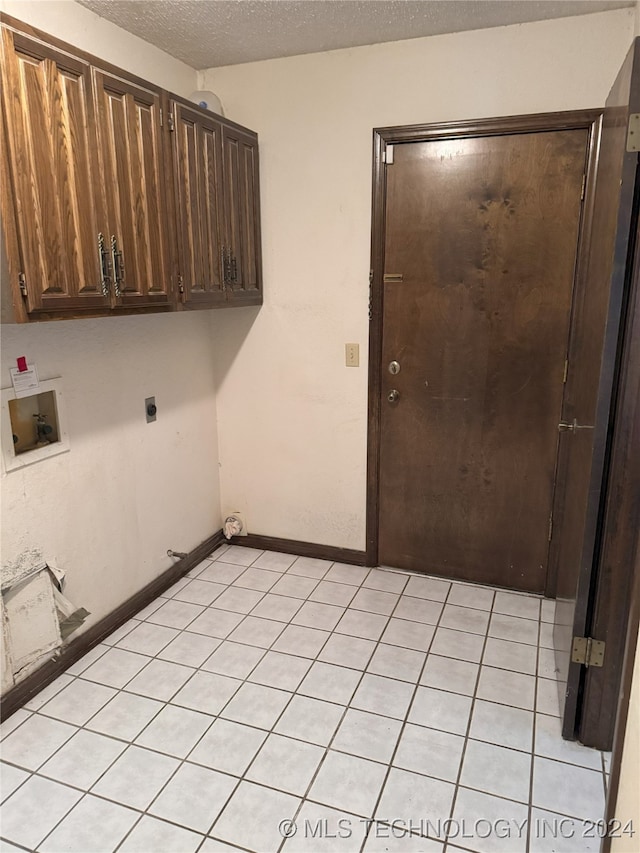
(328, 747)
(303, 797)
(244, 681)
(534, 734)
(87, 792)
(181, 762)
(205, 766)
(405, 721)
(348, 706)
(470, 720)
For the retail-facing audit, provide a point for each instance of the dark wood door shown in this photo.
(243, 262)
(480, 252)
(51, 165)
(131, 148)
(592, 582)
(199, 202)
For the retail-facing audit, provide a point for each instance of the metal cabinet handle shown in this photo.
(227, 272)
(118, 266)
(103, 260)
(229, 267)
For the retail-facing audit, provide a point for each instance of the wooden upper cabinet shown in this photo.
(51, 171)
(243, 262)
(114, 197)
(130, 146)
(199, 203)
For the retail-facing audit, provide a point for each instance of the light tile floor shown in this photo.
(368, 710)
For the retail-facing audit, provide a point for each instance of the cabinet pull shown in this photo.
(118, 266)
(105, 278)
(234, 270)
(227, 267)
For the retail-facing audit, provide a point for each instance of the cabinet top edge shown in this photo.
(196, 108)
(18, 26)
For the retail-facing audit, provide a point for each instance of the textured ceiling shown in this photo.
(208, 33)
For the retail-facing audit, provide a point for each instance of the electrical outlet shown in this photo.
(150, 409)
(352, 355)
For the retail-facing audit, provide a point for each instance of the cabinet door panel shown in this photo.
(197, 148)
(243, 215)
(133, 173)
(51, 163)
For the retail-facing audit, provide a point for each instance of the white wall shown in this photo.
(293, 448)
(108, 510)
(628, 802)
(72, 23)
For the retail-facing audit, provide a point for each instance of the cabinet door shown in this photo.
(197, 164)
(242, 202)
(131, 156)
(51, 165)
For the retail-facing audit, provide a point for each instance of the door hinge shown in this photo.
(550, 527)
(171, 123)
(22, 282)
(584, 187)
(370, 294)
(181, 287)
(587, 651)
(387, 156)
(633, 132)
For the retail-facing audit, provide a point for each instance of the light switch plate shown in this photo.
(352, 355)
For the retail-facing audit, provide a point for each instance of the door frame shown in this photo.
(384, 136)
(624, 486)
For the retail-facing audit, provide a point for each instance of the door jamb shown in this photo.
(382, 137)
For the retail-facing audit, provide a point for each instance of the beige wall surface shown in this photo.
(107, 511)
(72, 23)
(293, 418)
(627, 809)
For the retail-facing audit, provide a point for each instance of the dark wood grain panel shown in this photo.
(233, 189)
(211, 204)
(484, 232)
(13, 307)
(615, 610)
(102, 129)
(197, 146)
(591, 593)
(131, 147)
(242, 215)
(48, 113)
(248, 191)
